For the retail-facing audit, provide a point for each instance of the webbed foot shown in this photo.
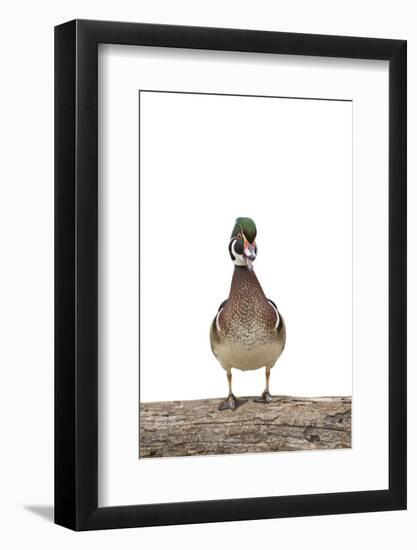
(231, 403)
(265, 398)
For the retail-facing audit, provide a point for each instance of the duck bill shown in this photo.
(249, 254)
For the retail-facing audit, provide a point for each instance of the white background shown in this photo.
(207, 159)
(124, 70)
(27, 294)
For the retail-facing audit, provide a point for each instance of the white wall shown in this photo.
(26, 291)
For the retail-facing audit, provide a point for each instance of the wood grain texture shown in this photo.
(187, 428)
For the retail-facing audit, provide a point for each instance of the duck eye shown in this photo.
(239, 236)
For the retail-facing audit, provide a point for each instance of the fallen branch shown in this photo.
(186, 428)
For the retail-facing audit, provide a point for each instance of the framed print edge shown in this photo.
(64, 244)
(76, 272)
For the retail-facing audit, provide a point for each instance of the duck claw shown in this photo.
(265, 398)
(231, 403)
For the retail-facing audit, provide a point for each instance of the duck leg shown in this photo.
(266, 396)
(231, 402)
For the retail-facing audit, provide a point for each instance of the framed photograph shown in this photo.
(230, 254)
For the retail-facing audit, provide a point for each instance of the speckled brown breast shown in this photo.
(248, 337)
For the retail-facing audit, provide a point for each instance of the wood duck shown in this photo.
(248, 331)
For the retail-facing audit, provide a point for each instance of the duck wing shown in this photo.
(215, 327)
(280, 321)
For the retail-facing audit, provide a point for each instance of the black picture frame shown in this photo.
(76, 272)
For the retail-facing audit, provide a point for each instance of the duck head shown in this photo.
(242, 245)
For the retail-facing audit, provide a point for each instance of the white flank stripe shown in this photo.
(276, 311)
(217, 320)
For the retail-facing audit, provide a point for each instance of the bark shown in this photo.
(187, 428)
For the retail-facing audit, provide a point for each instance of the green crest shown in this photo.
(247, 227)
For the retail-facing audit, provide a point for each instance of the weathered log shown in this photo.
(187, 428)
